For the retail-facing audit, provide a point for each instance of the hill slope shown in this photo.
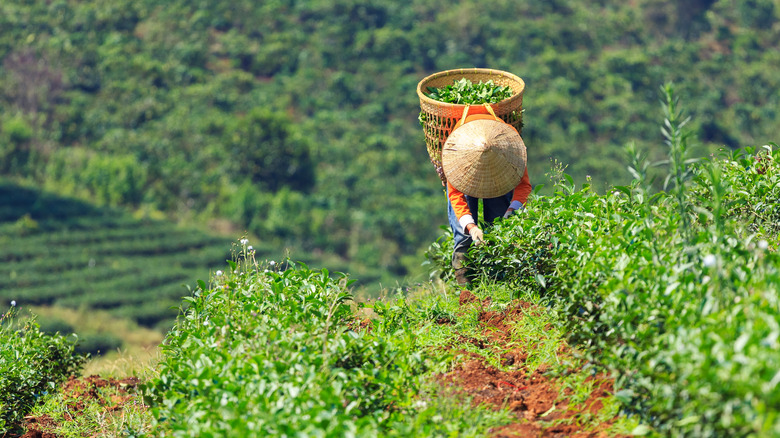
(62, 251)
(297, 120)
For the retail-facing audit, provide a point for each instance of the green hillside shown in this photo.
(297, 120)
(635, 312)
(62, 251)
(140, 138)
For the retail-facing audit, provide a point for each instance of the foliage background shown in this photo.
(296, 121)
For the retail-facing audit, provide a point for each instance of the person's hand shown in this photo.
(509, 212)
(476, 235)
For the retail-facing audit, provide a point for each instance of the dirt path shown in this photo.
(110, 394)
(532, 397)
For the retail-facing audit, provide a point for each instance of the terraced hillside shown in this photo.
(60, 251)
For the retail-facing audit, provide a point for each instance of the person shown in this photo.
(484, 158)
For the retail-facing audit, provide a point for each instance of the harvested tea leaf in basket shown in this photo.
(464, 92)
(444, 96)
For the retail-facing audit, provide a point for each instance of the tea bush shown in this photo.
(32, 364)
(277, 352)
(675, 291)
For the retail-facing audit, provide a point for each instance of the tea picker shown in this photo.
(479, 155)
(485, 159)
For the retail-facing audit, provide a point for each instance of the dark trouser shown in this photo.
(492, 208)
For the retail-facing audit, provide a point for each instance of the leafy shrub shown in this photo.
(267, 352)
(32, 363)
(675, 292)
(17, 130)
(267, 150)
(112, 180)
(15, 133)
(750, 179)
(438, 256)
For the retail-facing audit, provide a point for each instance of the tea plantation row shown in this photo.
(270, 350)
(676, 293)
(61, 251)
(273, 349)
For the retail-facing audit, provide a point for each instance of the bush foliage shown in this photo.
(296, 121)
(265, 351)
(674, 291)
(32, 365)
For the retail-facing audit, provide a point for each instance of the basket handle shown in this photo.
(490, 110)
(462, 118)
(466, 113)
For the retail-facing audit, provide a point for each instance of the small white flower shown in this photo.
(709, 260)
(763, 244)
(420, 404)
(272, 263)
(244, 241)
(250, 248)
(205, 323)
(13, 303)
(218, 273)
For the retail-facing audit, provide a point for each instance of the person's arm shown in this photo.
(461, 208)
(520, 195)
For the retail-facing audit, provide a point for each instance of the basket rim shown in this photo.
(461, 72)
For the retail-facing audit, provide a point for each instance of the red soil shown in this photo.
(77, 392)
(534, 398)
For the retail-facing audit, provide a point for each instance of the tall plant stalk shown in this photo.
(680, 171)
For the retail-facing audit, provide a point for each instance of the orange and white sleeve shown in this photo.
(460, 206)
(521, 192)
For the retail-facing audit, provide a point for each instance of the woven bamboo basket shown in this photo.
(439, 118)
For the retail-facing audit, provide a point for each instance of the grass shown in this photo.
(97, 410)
(540, 335)
(534, 331)
(453, 414)
(73, 415)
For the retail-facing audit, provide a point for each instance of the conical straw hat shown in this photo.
(484, 158)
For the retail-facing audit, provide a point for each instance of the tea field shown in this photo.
(634, 312)
(675, 293)
(60, 251)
